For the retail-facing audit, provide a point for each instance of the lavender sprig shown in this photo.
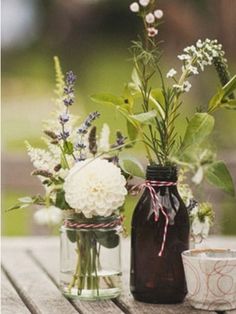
(82, 130)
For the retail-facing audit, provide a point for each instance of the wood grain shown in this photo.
(10, 300)
(34, 286)
(51, 267)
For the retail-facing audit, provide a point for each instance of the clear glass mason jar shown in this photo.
(90, 258)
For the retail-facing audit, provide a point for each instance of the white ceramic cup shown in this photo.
(211, 278)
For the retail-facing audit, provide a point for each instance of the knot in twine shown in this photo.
(156, 204)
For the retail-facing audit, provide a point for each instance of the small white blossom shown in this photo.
(171, 73)
(134, 7)
(184, 57)
(200, 230)
(187, 86)
(150, 18)
(48, 216)
(158, 14)
(144, 3)
(95, 187)
(152, 31)
(193, 70)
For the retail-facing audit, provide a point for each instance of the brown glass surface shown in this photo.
(156, 279)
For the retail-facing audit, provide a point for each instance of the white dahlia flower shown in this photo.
(95, 187)
(48, 216)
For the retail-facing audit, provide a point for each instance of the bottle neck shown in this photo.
(161, 173)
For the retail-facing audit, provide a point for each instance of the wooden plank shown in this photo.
(49, 261)
(33, 285)
(10, 300)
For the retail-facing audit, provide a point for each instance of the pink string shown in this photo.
(79, 225)
(156, 204)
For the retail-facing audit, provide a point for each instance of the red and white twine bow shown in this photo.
(156, 204)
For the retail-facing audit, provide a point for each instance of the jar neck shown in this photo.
(161, 173)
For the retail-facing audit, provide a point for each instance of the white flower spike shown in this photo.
(134, 7)
(150, 18)
(171, 73)
(144, 3)
(158, 14)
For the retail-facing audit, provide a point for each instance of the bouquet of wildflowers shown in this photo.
(83, 184)
(155, 122)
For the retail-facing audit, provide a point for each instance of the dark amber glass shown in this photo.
(153, 278)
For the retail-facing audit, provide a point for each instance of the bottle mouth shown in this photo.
(161, 173)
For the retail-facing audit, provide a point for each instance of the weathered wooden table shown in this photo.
(30, 272)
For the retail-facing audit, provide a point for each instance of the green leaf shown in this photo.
(229, 87)
(145, 118)
(72, 235)
(26, 199)
(158, 100)
(68, 148)
(131, 165)
(108, 239)
(60, 200)
(136, 80)
(132, 131)
(107, 98)
(200, 126)
(230, 104)
(218, 174)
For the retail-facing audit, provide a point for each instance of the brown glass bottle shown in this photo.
(153, 278)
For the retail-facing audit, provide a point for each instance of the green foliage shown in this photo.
(219, 175)
(108, 239)
(68, 148)
(131, 165)
(60, 200)
(223, 97)
(28, 201)
(145, 118)
(199, 128)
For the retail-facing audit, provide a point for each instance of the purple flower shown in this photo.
(70, 78)
(80, 145)
(64, 117)
(64, 135)
(83, 129)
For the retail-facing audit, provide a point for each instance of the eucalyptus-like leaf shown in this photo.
(107, 98)
(145, 118)
(218, 174)
(132, 131)
(26, 199)
(131, 165)
(199, 127)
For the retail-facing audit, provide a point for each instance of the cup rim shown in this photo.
(204, 250)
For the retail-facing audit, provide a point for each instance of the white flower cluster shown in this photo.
(48, 216)
(151, 18)
(95, 187)
(195, 58)
(201, 219)
(41, 158)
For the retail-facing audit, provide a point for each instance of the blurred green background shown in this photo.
(92, 38)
